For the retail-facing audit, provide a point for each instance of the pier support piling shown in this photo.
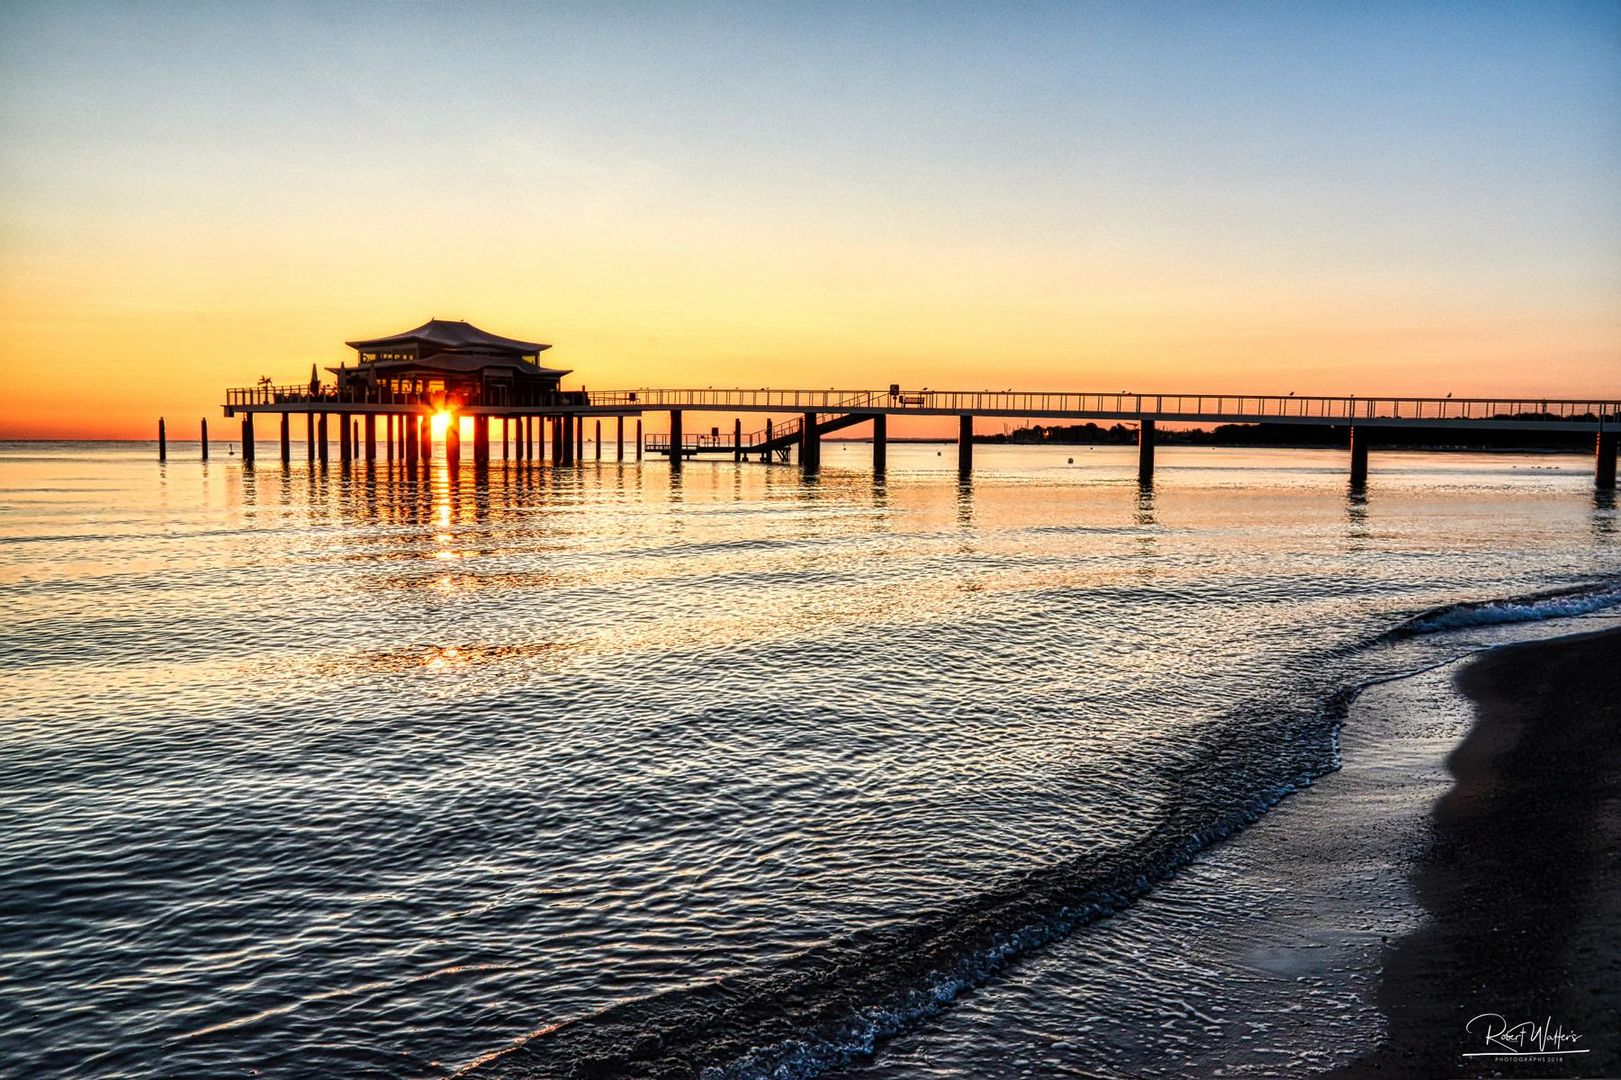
(345, 451)
(737, 439)
(1604, 465)
(965, 446)
(810, 444)
(579, 438)
(481, 442)
(388, 430)
(619, 438)
(597, 442)
(371, 438)
(286, 439)
(163, 440)
(453, 443)
(247, 438)
(1145, 452)
(309, 437)
(426, 438)
(322, 447)
(1359, 458)
(675, 440)
(411, 426)
(202, 439)
(638, 438)
(880, 444)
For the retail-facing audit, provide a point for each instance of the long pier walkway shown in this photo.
(812, 414)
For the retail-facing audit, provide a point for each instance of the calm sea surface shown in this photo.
(344, 773)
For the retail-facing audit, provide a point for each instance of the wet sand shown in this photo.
(1521, 879)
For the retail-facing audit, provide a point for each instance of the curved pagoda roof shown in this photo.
(451, 337)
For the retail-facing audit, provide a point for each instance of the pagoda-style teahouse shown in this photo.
(454, 362)
(440, 367)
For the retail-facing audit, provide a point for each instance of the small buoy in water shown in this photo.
(937, 453)
(1072, 461)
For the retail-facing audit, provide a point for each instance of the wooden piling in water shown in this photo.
(1359, 458)
(810, 444)
(202, 438)
(965, 446)
(579, 437)
(1604, 448)
(597, 442)
(880, 444)
(247, 439)
(619, 438)
(675, 439)
(322, 442)
(371, 437)
(163, 441)
(737, 439)
(286, 438)
(309, 437)
(1145, 452)
(638, 438)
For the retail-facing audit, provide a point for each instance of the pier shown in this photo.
(405, 385)
(818, 413)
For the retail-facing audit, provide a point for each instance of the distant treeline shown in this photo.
(1296, 435)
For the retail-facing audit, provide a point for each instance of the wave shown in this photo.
(834, 1004)
(1561, 603)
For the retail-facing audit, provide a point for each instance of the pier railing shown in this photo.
(1193, 407)
(328, 395)
(1277, 408)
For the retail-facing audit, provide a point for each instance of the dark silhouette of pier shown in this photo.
(558, 420)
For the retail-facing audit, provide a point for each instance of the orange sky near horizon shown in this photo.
(1075, 200)
(163, 327)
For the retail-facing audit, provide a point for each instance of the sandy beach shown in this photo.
(1521, 880)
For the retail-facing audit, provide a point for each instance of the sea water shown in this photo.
(532, 770)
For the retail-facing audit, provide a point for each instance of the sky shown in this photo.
(1379, 198)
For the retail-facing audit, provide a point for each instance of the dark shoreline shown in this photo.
(1521, 877)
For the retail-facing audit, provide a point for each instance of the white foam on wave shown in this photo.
(1536, 608)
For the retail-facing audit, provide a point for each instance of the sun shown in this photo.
(441, 424)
